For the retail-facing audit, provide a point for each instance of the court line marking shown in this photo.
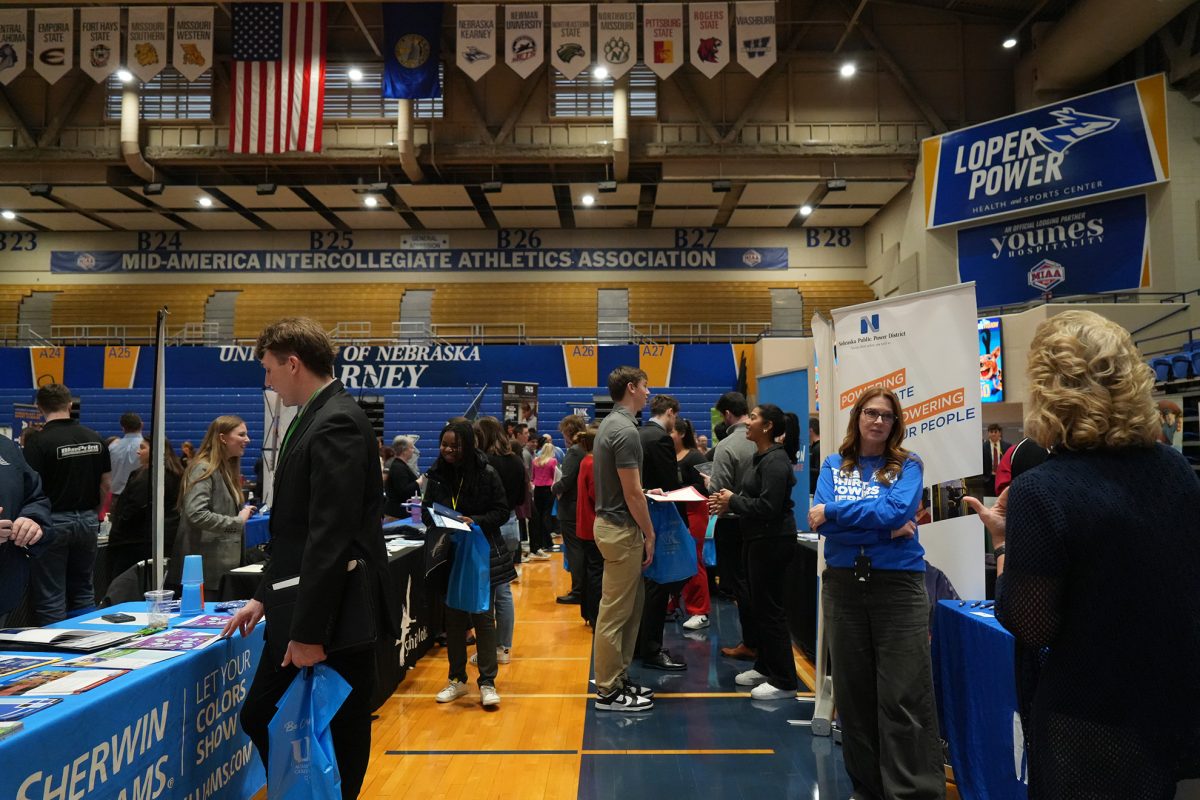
(657, 695)
(579, 752)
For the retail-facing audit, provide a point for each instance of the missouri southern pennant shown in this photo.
(146, 42)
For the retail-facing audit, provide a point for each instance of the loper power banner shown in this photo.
(922, 347)
(1083, 250)
(1091, 145)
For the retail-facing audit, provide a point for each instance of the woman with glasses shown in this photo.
(876, 613)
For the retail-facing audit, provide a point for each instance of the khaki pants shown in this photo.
(621, 602)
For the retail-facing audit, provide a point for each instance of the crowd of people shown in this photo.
(1096, 541)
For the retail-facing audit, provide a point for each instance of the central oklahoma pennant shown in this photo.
(523, 39)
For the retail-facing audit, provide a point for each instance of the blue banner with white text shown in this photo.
(1101, 247)
(449, 260)
(1096, 144)
(412, 50)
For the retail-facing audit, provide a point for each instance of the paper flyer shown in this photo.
(123, 658)
(57, 681)
(14, 708)
(176, 639)
(10, 665)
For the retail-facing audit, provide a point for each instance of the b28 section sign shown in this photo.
(1091, 145)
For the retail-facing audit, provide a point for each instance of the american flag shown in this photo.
(278, 77)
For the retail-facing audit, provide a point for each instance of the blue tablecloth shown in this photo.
(977, 701)
(169, 730)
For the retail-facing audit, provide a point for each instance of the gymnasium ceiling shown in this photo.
(538, 192)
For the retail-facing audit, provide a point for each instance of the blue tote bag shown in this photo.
(674, 547)
(470, 586)
(301, 764)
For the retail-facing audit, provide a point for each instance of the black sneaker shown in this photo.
(623, 701)
(641, 691)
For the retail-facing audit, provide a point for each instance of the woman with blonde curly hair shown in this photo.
(1104, 573)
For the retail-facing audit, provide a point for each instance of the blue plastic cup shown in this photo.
(193, 568)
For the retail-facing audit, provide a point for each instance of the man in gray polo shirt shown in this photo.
(625, 537)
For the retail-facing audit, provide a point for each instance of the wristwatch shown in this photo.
(998, 551)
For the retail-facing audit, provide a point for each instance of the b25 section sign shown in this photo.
(1091, 145)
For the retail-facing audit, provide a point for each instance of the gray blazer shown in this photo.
(208, 525)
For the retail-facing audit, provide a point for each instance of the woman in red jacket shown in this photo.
(585, 520)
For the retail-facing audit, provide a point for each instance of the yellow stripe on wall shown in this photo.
(120, 364)
(1152, 92)
(655, 360)
(48, 365)
(580, 360)
(751, 370)
(931, 150)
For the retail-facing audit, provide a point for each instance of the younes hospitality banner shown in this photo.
(1090, 145)
(923, 348)
(1095, 248)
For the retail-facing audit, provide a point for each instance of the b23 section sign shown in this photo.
(1091, 145)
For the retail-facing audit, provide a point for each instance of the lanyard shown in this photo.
(454, 499)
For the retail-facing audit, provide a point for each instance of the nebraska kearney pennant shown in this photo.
(475, 53)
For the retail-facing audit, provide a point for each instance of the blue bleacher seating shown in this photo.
(1181, 366)
(1162, 369)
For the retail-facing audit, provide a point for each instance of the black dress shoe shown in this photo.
(568, 599)
(662, 660)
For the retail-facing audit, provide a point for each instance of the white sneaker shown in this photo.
(750, 677)
(453, 691)
(539, 555)
(488, 696)
(623, 701)
(765, 691)
(518, 578)
(696, 622)
(503, 655)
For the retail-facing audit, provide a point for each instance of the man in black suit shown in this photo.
(660, 470)
(993, 450)
(328, 498)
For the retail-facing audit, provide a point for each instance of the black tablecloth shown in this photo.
(801, 600)
(393, 657)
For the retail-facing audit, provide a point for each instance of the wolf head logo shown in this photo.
(1073, 126)
(709, 50)
(8, 55)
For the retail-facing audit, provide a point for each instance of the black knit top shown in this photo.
(1104, 568)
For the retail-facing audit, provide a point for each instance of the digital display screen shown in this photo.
(991, 361)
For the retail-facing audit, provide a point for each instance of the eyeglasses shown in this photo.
(874, 414)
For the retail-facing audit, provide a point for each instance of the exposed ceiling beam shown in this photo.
(366, 33)
(78, 93)
(9, 110)
(850, 26)
(683, 83)
(528, 86)
(910, 89)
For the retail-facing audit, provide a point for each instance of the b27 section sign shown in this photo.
(1099, 143)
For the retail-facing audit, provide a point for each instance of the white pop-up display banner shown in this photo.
(924, 348)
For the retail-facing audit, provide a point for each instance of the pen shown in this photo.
(962, 603)
(976, 604)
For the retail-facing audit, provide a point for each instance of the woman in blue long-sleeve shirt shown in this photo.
(876, 612)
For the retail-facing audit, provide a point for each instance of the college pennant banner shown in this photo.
(756, 36)
(571, 39)
(53, 42)
(662, 38)
(99, 42)
(523, 39)
(192, 53)
(14, 40)
(708, 48)
(146, 42)
(412, 49)
(616, 37)
(475, 53)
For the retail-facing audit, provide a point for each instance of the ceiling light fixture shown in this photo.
(205, 202)
(124, 75)
(266, 189)
(606, 187)
(600, 73)
(41, 189)
(151, 189)
(491, 187)
(9, 215)
(848, 69)
(370, 201)
(1010, 43)
(588, 200)
(835, 185)
(805, 210)
(354, 74)
(722, 185)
